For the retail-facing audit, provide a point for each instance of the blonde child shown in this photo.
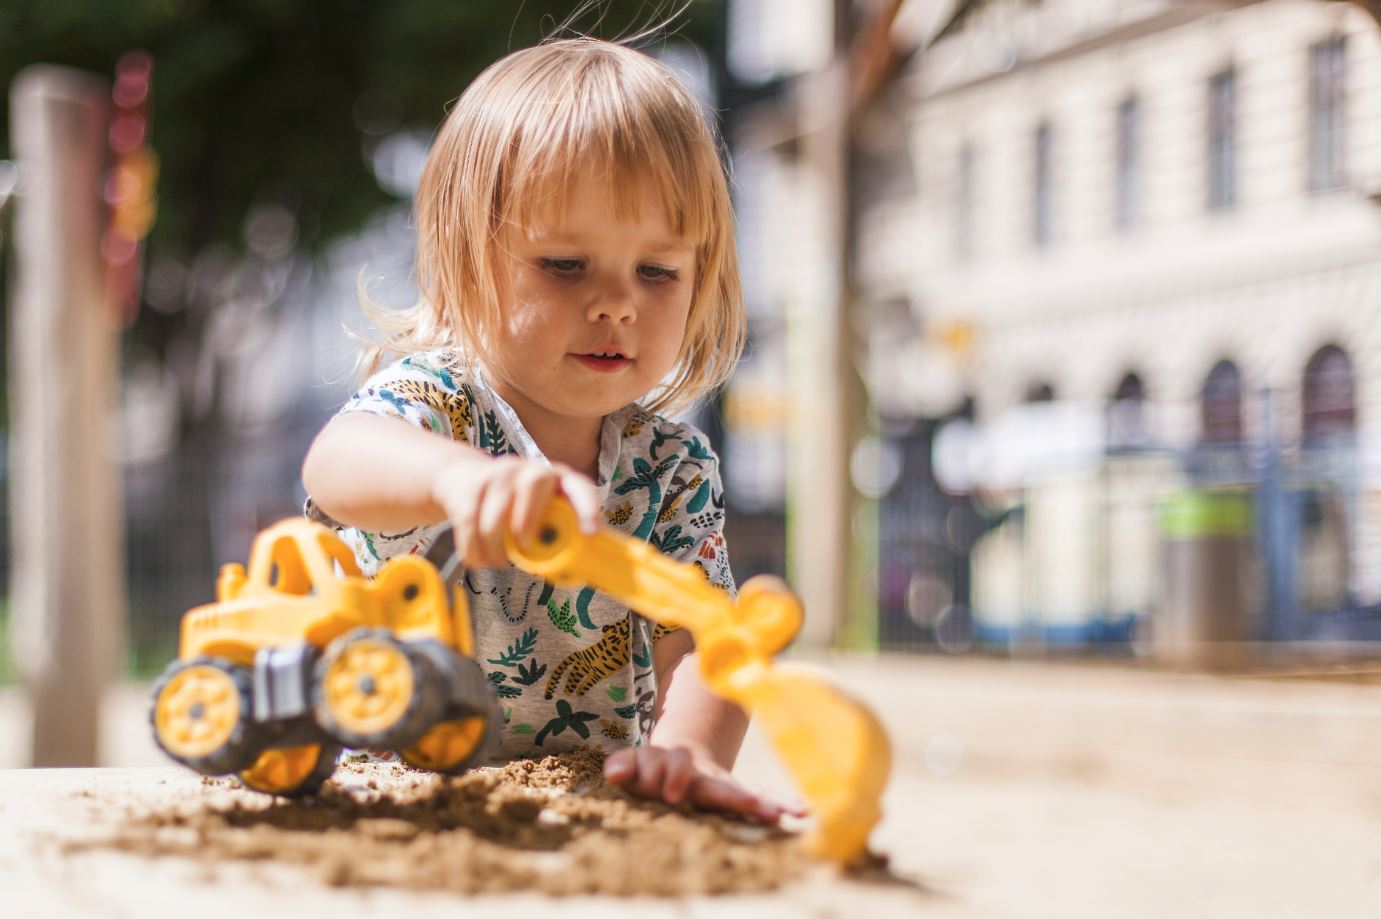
(575, 256)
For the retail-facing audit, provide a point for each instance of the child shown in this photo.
(575, 256)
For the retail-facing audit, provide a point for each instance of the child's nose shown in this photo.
(614, 303)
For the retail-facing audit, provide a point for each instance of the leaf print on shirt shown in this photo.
(696, 450)
(496, 681)
(671, 540)
(701, 496)
(562, 618)
(645, 476)
(582, 607)
(620, 515)
(613, 729)
(527, 675)
(659, 437)
(566, 718)
(518, 650)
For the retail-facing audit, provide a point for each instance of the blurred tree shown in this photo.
(264, 100)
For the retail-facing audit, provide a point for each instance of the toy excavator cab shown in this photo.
(832, 744)
(300, 656)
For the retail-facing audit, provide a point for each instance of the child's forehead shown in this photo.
(586, 206)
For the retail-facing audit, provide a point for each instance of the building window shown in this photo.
(1220, 404)
(1043, 188)
(1127, 414)
(1330, 405)
(1127, 165)
(1327, 109)
(1039, 391)
(1222, 139)
(964, 205)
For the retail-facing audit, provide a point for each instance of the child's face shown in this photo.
(583, 282)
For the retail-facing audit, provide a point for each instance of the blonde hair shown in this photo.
(517, 138)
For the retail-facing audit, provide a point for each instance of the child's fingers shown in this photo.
(652, 769)
(680, 772)
(584, 497)
(722, 795)
(495, 509)
(535, 488)
(621, 766)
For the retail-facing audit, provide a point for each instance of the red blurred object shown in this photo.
(130, 185)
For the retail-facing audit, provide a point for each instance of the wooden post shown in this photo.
(68, 598)
(825, 406)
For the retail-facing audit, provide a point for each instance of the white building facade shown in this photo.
(1110, 198)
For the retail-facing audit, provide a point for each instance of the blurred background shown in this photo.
(1065, 316)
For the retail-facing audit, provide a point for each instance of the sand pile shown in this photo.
(550, 825)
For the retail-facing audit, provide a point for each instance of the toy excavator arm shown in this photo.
(831, 743)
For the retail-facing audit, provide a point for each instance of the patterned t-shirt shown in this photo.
(569, 666)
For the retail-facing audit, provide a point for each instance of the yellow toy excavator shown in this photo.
(833, 745)
(294, 660)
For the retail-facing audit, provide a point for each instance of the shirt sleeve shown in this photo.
(424, 390)
(428, 392)
(693, 511)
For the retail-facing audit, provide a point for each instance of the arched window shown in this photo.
(1220, 405)
(1127, 413)
(1330, 404)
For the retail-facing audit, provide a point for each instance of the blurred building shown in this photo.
(1163, 217)
(1104, 251)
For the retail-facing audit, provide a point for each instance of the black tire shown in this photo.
(469, 694)
(240, 746)
(310, 784)
(423, 708)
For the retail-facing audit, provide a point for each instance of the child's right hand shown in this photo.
(484, 497)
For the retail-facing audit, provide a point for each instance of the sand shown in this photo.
(552, 826)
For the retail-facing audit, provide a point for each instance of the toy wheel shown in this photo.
(451, 746)
(292, 771)
(201, 715)
(372, 690)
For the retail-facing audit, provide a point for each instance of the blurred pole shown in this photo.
(829, 402)
(824, 413)
(68, 589)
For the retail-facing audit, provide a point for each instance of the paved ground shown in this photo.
(1020, 789)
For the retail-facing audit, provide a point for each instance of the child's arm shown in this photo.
(381, 473)
(694, 744)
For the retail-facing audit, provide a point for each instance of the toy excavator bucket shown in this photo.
(832, 744)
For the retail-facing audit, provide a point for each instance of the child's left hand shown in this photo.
(676, 775)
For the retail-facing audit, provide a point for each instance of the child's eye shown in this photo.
(562, 267)
(656, 273)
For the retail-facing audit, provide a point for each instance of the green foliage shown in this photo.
(617, 693)
(255, 100)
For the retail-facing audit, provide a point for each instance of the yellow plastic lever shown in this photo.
(833, 745)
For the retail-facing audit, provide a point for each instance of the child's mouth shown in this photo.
(604, 362)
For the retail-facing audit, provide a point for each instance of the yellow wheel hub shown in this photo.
(197, 711)
(447, 744)
(282, 770)
(368, 687)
